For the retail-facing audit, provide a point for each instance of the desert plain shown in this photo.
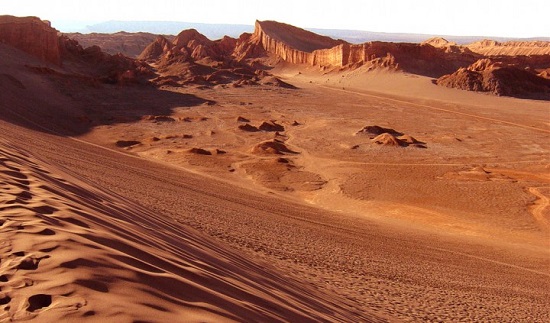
(320, 194)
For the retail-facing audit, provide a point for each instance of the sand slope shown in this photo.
(73, 252)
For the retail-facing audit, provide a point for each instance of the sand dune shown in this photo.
(71, 252)
(106, 246)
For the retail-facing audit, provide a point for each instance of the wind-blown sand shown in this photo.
(74, 252)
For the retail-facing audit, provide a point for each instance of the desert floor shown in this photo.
(314, 221)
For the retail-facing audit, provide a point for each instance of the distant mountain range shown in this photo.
(217, 31)
(212, 31)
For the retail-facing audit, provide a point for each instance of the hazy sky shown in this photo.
(524, 18)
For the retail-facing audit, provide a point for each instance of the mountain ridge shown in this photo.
(192, 58)
(214, 31)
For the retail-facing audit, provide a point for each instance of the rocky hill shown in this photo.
(299, 46)
(31, 35)
(451, 64)
(510, 48)
(496, 77)
(296, 45)
(128, 44)
(515, 68)
(65, 58)
(192, 58)
(439, 42)
(93, 63)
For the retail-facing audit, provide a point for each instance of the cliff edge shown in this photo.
(31, 35)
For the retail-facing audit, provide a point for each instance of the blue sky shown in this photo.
(526, 18)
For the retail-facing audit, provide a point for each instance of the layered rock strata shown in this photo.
(31, 35)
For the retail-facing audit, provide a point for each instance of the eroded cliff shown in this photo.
(510, 48)
(299, 46)
(31, 35)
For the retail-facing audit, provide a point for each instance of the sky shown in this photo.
(505, 18)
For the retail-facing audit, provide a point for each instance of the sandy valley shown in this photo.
(298, 194)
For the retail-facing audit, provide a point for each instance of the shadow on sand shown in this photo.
(69, 106)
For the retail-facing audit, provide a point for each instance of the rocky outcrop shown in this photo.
(298, 46)
(439, 42)
(189, 45)
(93, 62)
(272, 147)
(423, 59)
(31, 35)
(128, 44)
(156, 49)
(497, 77)
(248, 46)
(510, 48)
(435, 57)
(192, 58)
(388, 139)
(373, 131)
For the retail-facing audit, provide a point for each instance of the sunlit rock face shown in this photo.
(32, 35)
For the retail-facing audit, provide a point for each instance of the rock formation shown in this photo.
(497, 77)
(510, 48)
(191, 58)
(31, 35)
(92, 61)
(128, 44)
(298, 46)
(200, 151)
(88, 65)
(271, 126)
(373, 131)
(189, 44)
(386, 139)
(272, 147)
(248, 127)
(439, 42)
(156, 49)
(389, 139)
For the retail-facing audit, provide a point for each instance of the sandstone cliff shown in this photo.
(510, 48)
(192, 58)
(31, 35)
(298, 46)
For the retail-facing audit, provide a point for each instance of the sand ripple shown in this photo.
(74, 252)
